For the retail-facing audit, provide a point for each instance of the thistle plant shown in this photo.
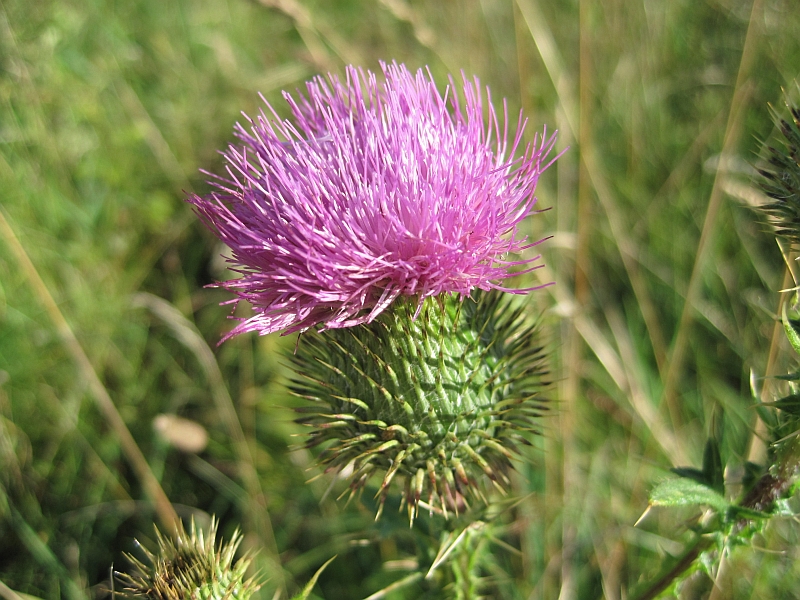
(380, 218)
(379, 222)
(728, 523)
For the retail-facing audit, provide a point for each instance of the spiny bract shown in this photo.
(441, 401)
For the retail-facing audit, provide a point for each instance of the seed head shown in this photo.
(372, 191)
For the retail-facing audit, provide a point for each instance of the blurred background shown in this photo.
(663, 308)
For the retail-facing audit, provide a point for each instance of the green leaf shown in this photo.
(712, 466)
(313, 581)
(790, 404)
(792, 329)
(767, 413)
(691, 473)
(687, 492)
(788, 377)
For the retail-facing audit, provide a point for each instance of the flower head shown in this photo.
(372, 191)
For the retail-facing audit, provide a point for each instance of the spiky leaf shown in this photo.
(306, 591)
(687, 492)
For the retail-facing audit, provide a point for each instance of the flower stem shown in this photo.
(666, 578)
(770, 487)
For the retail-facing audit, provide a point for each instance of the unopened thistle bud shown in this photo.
(379, 220)
(190, 566)
(781, 179)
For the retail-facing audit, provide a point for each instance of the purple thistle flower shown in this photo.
(374, 190)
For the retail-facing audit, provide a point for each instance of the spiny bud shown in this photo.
(190, 566)
(781, 179)
(440, 400)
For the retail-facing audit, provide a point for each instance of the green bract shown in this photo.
(439, 395)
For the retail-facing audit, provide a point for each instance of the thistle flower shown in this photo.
(373, 192)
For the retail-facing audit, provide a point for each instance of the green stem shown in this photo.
(667, 577)
(771, 487)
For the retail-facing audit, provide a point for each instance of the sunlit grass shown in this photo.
(108, 110)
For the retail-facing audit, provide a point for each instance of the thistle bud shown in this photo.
(440, 400)
(190, 566)
(781, 179)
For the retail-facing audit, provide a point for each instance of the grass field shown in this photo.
(664, 303)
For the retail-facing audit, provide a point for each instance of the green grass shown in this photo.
(107, 111)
